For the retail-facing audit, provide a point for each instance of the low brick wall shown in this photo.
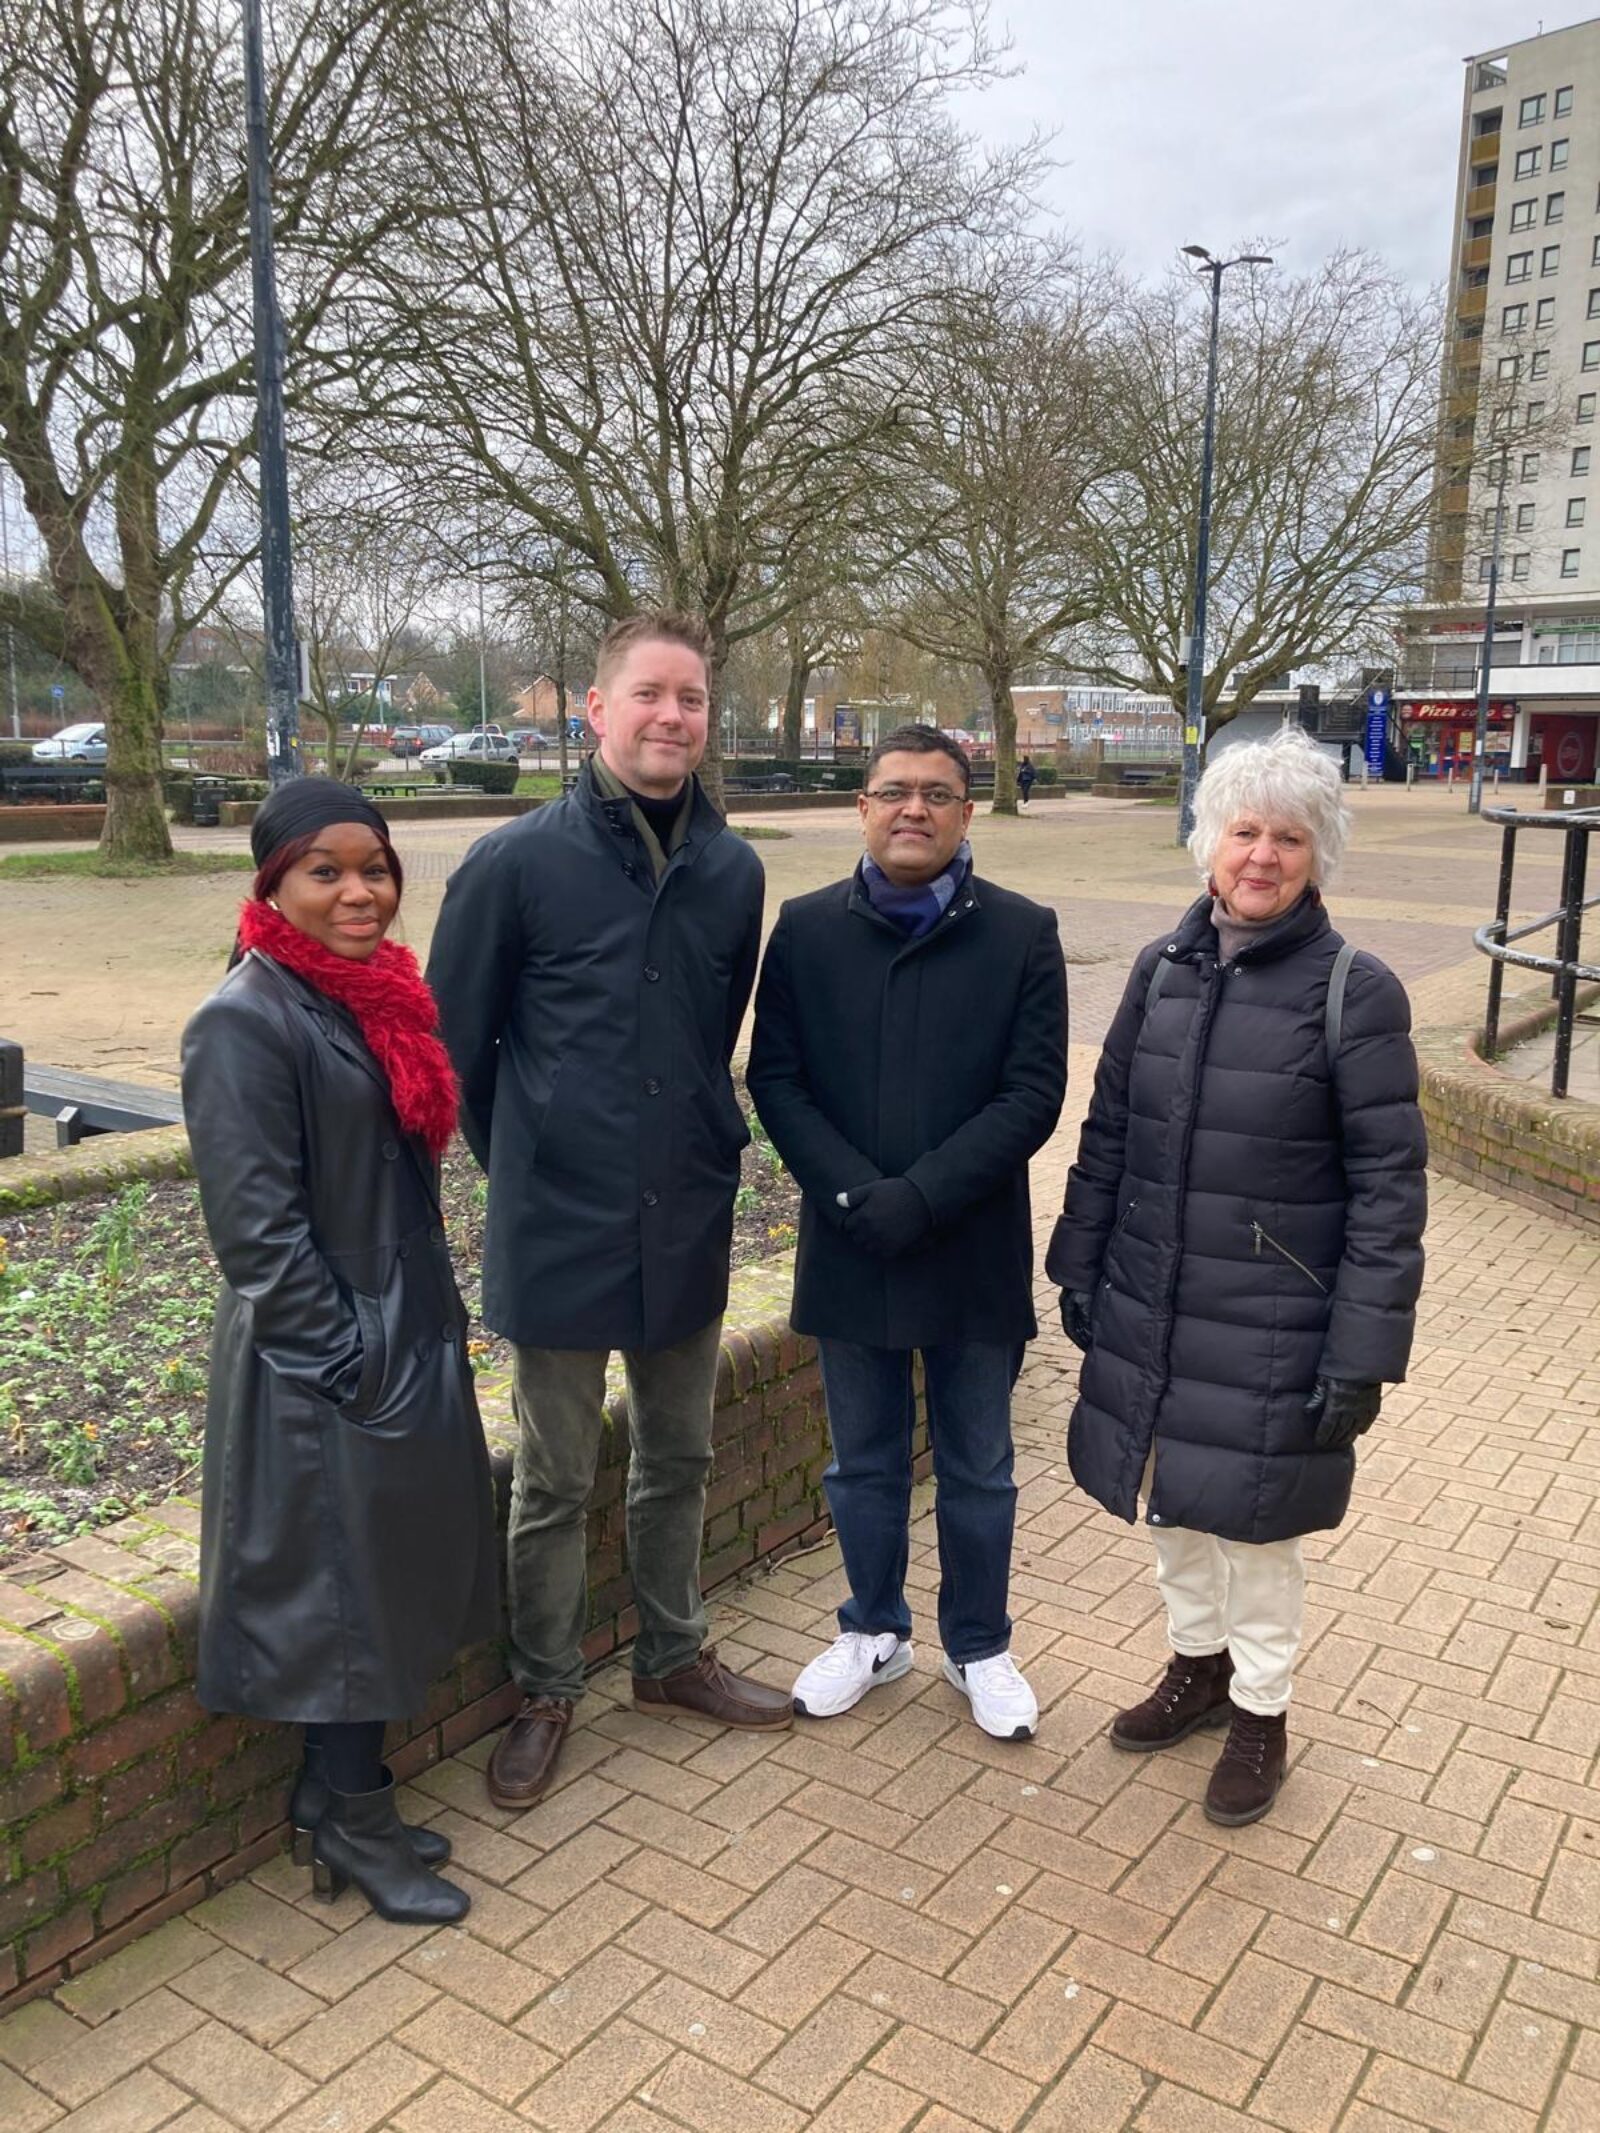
(122, 1802)
(43, 824)
(443, 806)
(1512, 1137)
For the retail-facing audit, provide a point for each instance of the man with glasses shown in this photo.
(910, 1055)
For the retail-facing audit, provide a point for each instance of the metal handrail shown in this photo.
(1495, 938)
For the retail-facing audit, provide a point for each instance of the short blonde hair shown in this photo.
(1287, 777)
(650, 626)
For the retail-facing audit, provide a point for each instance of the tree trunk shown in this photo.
(997, 673)
(136, 819)
(794, 705)
(711, 762)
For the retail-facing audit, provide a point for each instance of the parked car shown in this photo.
(73, 744)
(537, 743)
(484, 744)
(411, 740)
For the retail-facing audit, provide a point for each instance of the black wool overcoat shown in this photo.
(592, 1013)
(347, 1546)
(1248, 1213)
(941, 1059)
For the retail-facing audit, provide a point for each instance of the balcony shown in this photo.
(1480, 201)
(1453, 500)
(1472, 303)
(1475, 253)
(1486, 149)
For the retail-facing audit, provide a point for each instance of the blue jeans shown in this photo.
(871, 1412)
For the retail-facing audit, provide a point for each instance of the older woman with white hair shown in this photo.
(1241, 1250)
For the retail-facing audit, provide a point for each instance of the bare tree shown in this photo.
(1325, 460)
(684, 264)
(126, 396)
(1002, 449)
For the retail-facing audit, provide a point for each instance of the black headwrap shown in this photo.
(304, 804)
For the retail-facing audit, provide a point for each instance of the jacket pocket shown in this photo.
(374, 1355)
(1263, 1239)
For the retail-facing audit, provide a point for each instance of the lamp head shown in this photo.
(1197, 251)
(1253, 259)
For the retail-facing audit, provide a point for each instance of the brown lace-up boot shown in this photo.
(1192, 1693)
(1249, 1770)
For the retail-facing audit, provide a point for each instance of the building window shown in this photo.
(1594, 303)
(1485, 568)
(1519, 566)
(1524, 518)
(1522, 214)
(1591, 355)
(1558, 154)
(1564, 102)
(1580, 459)
(1545, 315)
(1489, 518)
(1531, 111)
(1550, 259)
(1535, 413)
(1585, 410)
(1527, 165)
(1575, 506)
(1539, 363)
(1569, 562)
(1530, 466)
(1519, 266)
(1555, 206)
(1507, 367)
(1513, 318)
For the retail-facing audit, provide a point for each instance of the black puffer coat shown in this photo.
(591, 1012)
(1248, 1214)
(347, 1544)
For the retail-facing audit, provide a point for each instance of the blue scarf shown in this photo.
(915, 910)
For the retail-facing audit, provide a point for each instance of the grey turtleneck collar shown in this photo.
(1236, 934)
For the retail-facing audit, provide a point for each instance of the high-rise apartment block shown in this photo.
(1520, 437)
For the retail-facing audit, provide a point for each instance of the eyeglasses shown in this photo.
(936, 796)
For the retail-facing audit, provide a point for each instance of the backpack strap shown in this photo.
(1334, 1016)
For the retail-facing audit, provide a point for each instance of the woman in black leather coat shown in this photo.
(348, 1546)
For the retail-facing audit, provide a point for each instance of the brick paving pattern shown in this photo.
(887, 1921)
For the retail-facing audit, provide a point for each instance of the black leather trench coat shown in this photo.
(347, 1547)
(941, 1059)
(592, 1012)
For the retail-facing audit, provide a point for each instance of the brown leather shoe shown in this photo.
(710, 1689)
(1190, 1694)
(1249, 1770)
(524, 1758)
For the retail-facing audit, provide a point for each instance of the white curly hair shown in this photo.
(1285, 778)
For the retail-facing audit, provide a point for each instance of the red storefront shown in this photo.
(1437, 733)
(1564, 743)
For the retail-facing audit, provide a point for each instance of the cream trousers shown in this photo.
(1248, 1599)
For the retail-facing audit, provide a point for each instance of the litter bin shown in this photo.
(208, 794)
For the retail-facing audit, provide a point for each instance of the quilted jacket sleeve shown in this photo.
(1385, 1151)
(1089, 1212)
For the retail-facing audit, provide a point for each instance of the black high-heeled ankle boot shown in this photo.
(361, 1838)
(308, 1803)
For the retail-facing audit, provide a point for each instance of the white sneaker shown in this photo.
(842, 1675)
(1002, 1702)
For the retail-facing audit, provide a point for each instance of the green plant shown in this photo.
(484, 777)
(72, 1451)
(114, 1239)
(746, 1200)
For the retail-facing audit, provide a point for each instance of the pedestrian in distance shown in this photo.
(1241, 1251)
(909, 1057)
(593, 962)
(347, 1543)
(1027, 778)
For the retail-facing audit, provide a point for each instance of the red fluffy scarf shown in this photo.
(397, 1015)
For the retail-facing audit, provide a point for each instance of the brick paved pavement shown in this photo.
(888, 1921)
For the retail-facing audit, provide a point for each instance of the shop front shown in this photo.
(1437, 735)
(1564, 743)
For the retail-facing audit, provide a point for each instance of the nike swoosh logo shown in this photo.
(878, 1665)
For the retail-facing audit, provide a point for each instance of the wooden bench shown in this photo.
(88, 1103)
(59, 783)
(1139, 776)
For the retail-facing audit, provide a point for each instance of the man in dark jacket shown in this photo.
(592, 963)
(909, 1057)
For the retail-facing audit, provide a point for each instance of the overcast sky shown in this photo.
(1208, 121)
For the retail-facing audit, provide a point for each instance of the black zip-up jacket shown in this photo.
(591, 1013)
(942, 1059)
(1249, 1215)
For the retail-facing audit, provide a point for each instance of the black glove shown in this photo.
(1344, 1411)
(1076, 1305)
(887, 1217)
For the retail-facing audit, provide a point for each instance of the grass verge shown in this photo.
(36, 866)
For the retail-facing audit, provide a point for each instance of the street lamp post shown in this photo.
(277, 583)
(1194, 714)
(1480, 731)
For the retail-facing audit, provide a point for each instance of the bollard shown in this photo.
(11, 1099)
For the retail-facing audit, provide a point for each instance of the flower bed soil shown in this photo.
(105, 1326)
